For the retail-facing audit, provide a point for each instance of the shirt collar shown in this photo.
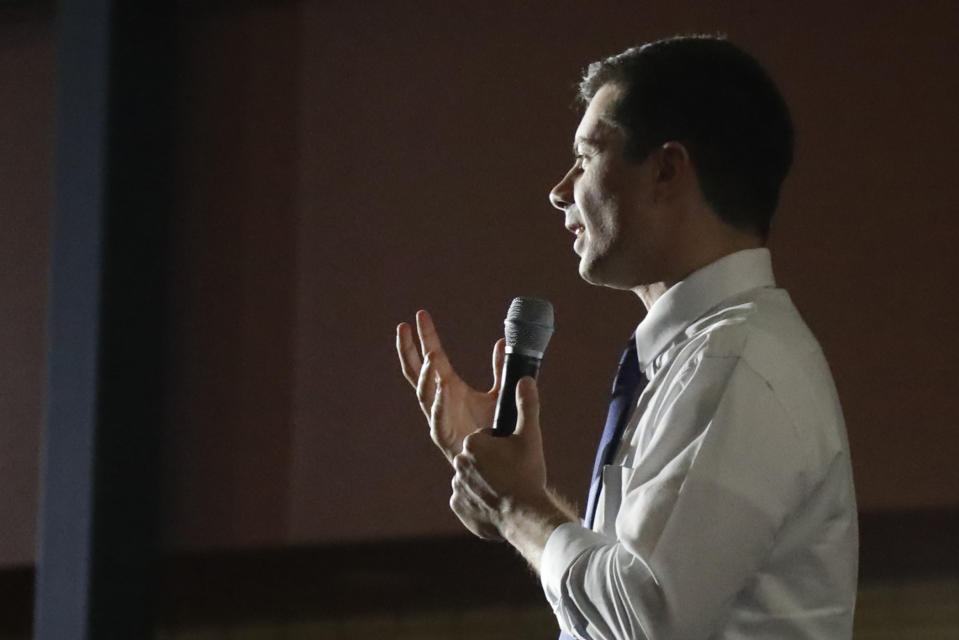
(689, 299)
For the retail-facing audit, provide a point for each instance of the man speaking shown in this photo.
(722, 501)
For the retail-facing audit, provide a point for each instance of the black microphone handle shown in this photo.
(515, 367)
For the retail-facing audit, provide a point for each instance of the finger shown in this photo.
(470, 483)
(436, 408)
(462, 491)
(429, 338)
(499, 356)
(432, 347)
(468, 510)
(461, 463)
(410, 361)
(527, 409)
(426, 386)
(436, 417)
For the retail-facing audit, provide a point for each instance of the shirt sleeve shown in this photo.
(699, 513)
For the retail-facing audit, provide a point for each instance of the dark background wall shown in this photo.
(27, 61)
(345, 164)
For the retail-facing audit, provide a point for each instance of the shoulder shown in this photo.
(756, 326)
(774, 350)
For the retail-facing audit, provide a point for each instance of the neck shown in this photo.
(650, 293)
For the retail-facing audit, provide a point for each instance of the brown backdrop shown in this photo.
(345, 164)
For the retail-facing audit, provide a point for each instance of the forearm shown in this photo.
(528, 524)
(583, 599)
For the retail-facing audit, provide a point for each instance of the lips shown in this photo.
(579, 231)
(574, 228)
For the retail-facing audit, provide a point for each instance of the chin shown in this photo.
(587, 271)
(592, 271)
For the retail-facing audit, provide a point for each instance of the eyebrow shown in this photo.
(606, 126)
(592, 141)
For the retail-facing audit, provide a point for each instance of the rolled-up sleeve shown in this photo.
(698, 515)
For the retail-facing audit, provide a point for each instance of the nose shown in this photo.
(561, 196)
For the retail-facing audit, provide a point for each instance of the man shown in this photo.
(723, 506)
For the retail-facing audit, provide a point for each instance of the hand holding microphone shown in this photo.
(499, 477)
(487, 468)
(453, 408)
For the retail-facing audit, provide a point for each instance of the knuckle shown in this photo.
(426, 368)
(470, 443)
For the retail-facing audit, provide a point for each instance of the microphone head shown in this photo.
(529, 326)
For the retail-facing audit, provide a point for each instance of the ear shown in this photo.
(675, 170)
(674, 160)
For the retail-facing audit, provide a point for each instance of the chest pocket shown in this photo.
(615, 480)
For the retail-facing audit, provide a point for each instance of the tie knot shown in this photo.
(629, 375)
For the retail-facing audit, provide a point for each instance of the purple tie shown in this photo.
(627, 386)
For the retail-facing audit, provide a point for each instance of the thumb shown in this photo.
(527, 408)
(499, 355)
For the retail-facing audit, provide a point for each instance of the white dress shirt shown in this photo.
(728, 511)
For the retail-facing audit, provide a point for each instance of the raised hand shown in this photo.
(453, 409)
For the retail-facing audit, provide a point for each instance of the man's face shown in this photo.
(609, 202)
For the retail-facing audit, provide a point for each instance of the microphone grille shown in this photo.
(529, 324)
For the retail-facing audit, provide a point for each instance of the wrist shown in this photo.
(527, 523)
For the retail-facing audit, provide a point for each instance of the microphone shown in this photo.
(529, 326)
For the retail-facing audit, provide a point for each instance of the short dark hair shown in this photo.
(715, 99)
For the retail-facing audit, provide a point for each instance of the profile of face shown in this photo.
(610, 204)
